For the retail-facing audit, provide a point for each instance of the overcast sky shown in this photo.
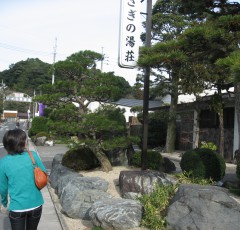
(29, 28)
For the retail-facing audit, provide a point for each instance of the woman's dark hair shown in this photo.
(14, 141)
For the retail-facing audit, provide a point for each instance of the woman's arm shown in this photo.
(3, 186)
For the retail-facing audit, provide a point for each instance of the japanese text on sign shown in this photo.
(129, 33)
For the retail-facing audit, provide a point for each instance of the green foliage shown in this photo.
(106, 126)
(24, 76)
(155, 205)
(203, 163)
(97, 228)
(157, 128)
(208, 145)
(238, 169)
(21, 107)
(136, 159)
(215, 165)
(154, 160)
(39, 124)
(187, 178)
(191, 162)
(80, 159)
(136, 109)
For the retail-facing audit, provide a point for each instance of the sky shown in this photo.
(32, 28)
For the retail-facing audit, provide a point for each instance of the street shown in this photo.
(3, 129)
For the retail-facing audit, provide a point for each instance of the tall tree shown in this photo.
(205, 43)
(196, 55)
(167, 25)
(232, 63)
(78, 81)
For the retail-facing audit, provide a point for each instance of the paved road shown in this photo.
(3, 129)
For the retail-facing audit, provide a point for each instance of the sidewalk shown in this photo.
(50, 219)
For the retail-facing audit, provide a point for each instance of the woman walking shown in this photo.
(17, 182)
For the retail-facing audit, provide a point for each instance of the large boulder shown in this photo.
(76, 202)
(57, 159)
(136, 183)
(82, 183)
(118, 157)
(116, 213)
(203, 208)
(40, 141)
(57, 172)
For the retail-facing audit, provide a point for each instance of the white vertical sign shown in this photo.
(129, 36)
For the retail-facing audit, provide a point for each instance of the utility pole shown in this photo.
(146, 88)
(102, 60)
(54, 59)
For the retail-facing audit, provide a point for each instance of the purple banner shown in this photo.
(41, 109)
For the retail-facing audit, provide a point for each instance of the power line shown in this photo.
(23, 50)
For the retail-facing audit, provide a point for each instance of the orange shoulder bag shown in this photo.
(40, 177)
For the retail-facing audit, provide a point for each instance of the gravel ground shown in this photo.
(113, 178)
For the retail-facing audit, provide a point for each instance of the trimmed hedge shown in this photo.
(191, 162)
(203, 163)
(154, 160)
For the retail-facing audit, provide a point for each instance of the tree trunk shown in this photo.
(197, 130)
(221, 144)
(171, 129)
(104, 161)
(237, 107)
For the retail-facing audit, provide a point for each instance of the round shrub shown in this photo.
(80, 159)
(154, 160)
(211, 164)
(191, 162)
(215, 165)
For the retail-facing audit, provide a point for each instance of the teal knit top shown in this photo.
(17, 181)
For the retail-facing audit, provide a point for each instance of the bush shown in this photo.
(154, 160)
(191, 162)
(238, 169)
(155, 205)
(136, 159)
(208, 145)
(80, 159)
(215, 165)
(39, 124)
(203, 163)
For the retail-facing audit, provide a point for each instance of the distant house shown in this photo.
(186, 120)
(10, 115)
